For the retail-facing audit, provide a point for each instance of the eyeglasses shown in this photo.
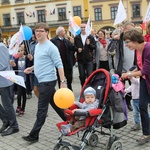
(126, 42)
(82, 27)
(40, 31)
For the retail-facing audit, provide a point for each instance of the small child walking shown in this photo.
(134, 89)
(19, 65)
(90, 103)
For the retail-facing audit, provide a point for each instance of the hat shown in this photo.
(89, 91)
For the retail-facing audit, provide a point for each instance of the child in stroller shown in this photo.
(100, 80)
(90, 103)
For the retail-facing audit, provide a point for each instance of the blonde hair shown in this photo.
(139, 29)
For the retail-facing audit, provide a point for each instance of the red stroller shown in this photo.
(100, 80)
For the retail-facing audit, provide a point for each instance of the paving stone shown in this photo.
(49, 132)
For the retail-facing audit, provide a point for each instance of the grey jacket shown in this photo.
(84, 107)
(4, 65)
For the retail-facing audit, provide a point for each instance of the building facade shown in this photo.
(56, 13)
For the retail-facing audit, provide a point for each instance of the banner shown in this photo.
(121, 14)
(88, 27)
(146, 18)
(15, 41)
(10, 75)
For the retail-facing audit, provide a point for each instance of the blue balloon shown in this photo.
(27, 32)
(78, 32)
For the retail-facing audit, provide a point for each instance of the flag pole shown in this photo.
(26, 44)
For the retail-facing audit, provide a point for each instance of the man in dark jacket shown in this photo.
(66, 49)
(84, 45)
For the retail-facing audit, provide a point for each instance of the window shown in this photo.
(41, 15)
(6, 19)
(20, 18)
(136, 10)
(61, 13)
(113, 11)
(98, 14)
(77, 11)
(18, 1)
(5, 1)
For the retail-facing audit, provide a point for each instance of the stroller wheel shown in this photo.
(57, 146)
(93, 140)
(107, 146)
(65, 148)
(117, 145)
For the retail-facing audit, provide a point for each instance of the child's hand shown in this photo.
(30, 57)
(73, 110)
(12, 63)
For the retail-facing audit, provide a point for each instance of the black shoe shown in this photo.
(4, 127)
(30, 139)
(130, 107)
(9, 131)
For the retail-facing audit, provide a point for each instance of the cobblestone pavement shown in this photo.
(50, 133)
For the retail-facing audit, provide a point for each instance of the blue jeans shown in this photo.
(143, 105)
(7, 112)
(136, 111)
(85, 69)
(46, 93)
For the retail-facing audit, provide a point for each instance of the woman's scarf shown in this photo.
(103, 42)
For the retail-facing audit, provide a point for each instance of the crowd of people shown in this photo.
(44, 62)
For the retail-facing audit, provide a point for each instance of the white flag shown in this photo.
(15, 41)
(10, 75)
(88, 27)
(121, 14)
(73, 27)
(146, 18)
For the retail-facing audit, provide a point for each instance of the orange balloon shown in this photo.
(64, 98)
(77, 19)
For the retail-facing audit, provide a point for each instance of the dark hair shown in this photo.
(134, 36)
(101, 31)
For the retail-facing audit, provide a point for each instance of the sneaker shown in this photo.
(144, 139)
(18, 109)
(21, 113)
(136, 127)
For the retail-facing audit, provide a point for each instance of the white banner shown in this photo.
(10, 75)
(146, 18)
(121, 14)
(88, 27)
(15, 41)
